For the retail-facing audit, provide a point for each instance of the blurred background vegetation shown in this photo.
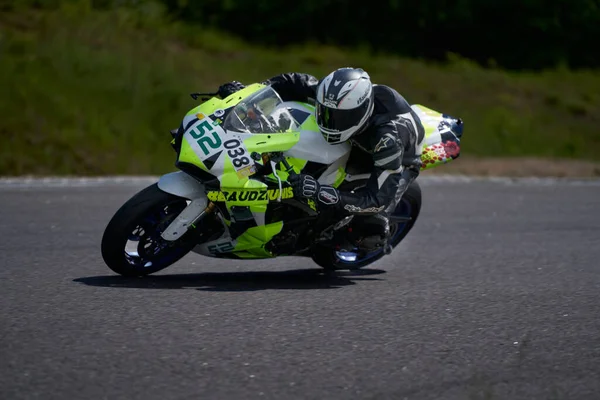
(92, 87)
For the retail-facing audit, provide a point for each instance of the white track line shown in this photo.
(36, 182)
(58, 182)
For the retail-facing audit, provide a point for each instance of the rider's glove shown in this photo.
(229, 88)
(306, 186)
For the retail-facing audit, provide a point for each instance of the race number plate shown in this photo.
(240, 159)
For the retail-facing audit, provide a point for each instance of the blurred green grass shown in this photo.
(93, 92)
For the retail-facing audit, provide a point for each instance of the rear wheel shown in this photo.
(401, 222)
(132, 245)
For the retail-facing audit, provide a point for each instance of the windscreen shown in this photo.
(261, 112)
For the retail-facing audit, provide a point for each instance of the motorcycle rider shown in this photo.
(379, 123)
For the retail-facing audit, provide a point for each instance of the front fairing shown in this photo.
(219, 137)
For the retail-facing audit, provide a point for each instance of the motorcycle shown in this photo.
(230, 197)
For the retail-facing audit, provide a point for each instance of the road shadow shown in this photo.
(300, 279)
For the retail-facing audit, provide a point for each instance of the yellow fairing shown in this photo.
(188, 155)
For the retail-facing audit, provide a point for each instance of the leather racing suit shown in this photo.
(389, 148)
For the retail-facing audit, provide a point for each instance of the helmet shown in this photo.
(344, 104)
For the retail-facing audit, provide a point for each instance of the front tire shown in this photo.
(131, 244)
(408, 207)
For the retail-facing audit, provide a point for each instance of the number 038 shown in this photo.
(237, 153)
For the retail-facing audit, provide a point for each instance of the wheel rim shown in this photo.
(144, 247)
(403, 209)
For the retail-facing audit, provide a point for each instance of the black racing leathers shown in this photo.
(393, 137)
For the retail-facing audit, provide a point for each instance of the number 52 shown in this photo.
(198, 133)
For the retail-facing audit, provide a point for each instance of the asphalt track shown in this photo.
(494, 295)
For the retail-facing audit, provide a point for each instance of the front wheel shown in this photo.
(132, 245)
(401, 222)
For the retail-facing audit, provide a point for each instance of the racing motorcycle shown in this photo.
(230, 197)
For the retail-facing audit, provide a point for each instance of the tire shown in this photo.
(144, 217)
(408, 206)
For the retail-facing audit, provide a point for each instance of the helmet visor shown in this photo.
(335, 120)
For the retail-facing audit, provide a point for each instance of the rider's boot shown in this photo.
(371, 232)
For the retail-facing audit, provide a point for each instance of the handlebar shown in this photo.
(288, 168)
(274, 157)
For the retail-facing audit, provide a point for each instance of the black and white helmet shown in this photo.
(344, 103)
